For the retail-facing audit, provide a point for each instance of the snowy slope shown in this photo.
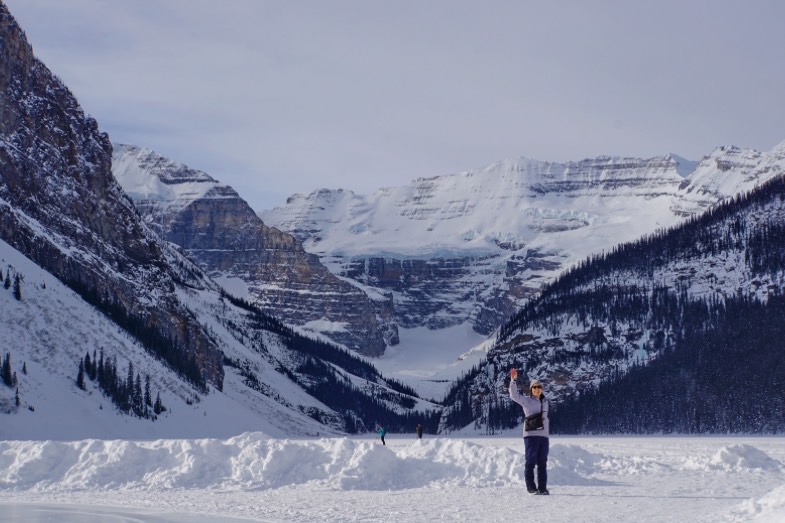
(477, 212)
(473, 247)
(520, 202)
(51, 328)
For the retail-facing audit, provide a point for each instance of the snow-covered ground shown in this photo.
(473, 479)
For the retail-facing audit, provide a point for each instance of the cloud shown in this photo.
(275, 98)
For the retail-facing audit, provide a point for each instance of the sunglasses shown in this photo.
(537, 386)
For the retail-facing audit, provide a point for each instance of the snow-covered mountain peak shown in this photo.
(684, 166)
(733, 155)
(521, 165)
(477, 212)
(779, 150)
(148, 176)
(730, 170)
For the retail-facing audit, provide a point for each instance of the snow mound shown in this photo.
(768, 509)
(254, 461)
(743, 457)
(736, 458)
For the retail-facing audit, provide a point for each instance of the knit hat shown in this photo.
(533, 383)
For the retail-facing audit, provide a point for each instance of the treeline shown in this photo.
(616, 302)
(459, 408)
(303, 344)
(724, 377)
(361, 411)
(315, 370)
(127, 393)
(730, 226)
(162, 347)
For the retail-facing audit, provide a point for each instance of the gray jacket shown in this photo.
(531, 405)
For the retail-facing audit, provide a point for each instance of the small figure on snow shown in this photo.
(381, 432)
(535, 432)
(419, 431)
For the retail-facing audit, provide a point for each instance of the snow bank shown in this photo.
(736, 458)
(254, 461)
(251, 461)
(253, 475)
(768, 509)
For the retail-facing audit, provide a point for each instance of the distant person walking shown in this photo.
(419, 431)
(535, 433)
(381, 432)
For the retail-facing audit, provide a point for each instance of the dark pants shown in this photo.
(536, 455)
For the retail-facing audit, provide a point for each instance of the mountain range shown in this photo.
(678, 331)
(130, 276)
(474, 247)
(105, 315)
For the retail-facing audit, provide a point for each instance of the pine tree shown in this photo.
(138, 396)
(5, 371)
(88, 365)
(100, 372)
(17, 287)
(7, 283)
(17, 400)
(24, 368)
(158, 407)
(148, 398)
(80, 376)
(129, 381)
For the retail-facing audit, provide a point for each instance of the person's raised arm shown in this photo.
(515, 394)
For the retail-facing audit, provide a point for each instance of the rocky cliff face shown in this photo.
(222, 233)
(475, 246)
(61, 207)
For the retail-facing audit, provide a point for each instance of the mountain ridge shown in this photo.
(610, 320)
(219, 230)
(472, 247)
(94, 283)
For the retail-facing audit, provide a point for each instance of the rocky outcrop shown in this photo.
(61, 207)
(221, 232)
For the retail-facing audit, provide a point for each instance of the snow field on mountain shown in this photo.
(52, 328)
(451, 479)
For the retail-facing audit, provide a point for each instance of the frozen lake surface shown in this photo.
(46, 513)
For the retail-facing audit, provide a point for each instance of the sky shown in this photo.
(277, 98)
(456, 479)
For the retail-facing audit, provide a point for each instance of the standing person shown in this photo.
(535, 433)
(419, 431)
(381, 432)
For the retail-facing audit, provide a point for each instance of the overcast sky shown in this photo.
(279, 97)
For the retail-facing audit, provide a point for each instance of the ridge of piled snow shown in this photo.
(252, 475)
(256, 461)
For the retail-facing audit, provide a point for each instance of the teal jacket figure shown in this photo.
(536, 432)
(381, 432)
